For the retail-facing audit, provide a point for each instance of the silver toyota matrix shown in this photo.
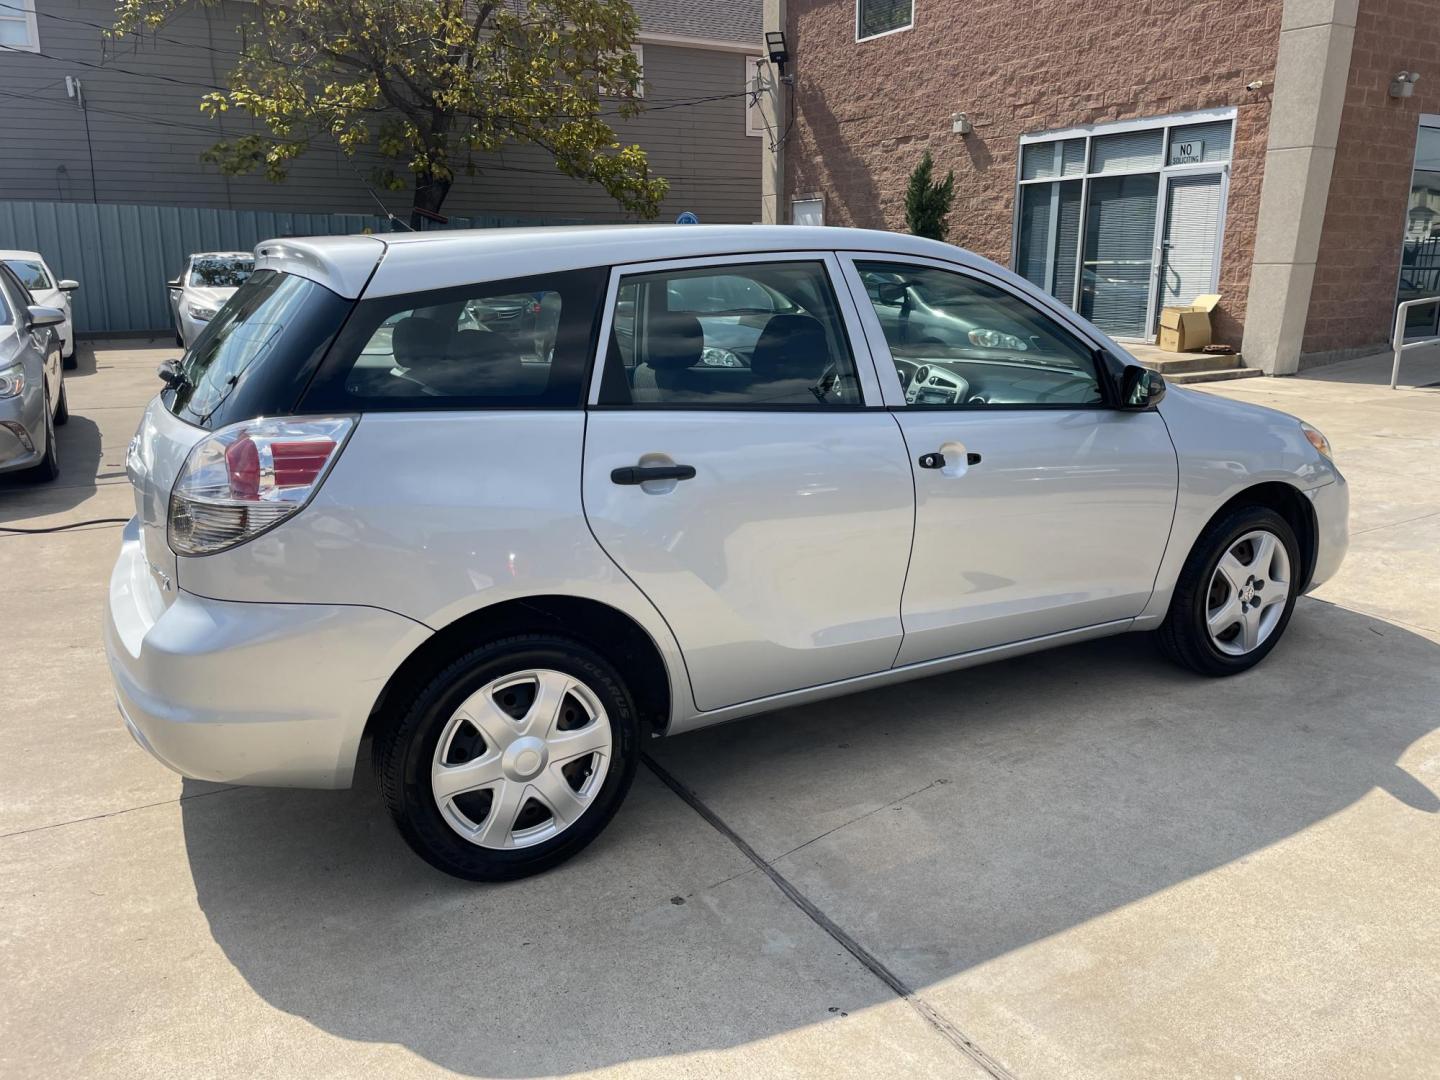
(503, 504)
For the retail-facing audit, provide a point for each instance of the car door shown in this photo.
(740, 468)
(1040, 507)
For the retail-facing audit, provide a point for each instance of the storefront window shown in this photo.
(1119, 220)
(1420, 255)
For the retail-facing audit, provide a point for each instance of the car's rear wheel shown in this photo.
(1235, 594)
(511, 759)
(62, 410)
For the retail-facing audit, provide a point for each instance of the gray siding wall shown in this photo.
(147, 134)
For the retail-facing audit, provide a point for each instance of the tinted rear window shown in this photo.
(259, 351)
(522, 342)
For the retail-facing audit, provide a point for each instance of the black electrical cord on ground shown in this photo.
(62, 528)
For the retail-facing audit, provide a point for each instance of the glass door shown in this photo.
(1420, 250)
(1191, 238)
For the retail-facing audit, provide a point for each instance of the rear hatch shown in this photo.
(254, 359)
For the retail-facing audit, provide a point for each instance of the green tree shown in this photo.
(927, 203)
(429, 85)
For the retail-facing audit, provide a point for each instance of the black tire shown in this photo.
(62, 411)
(71, 362)
(49, 467)
(405, 748)
(1184, 636)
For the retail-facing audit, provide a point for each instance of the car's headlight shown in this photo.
(1317, 440)
(713, 357)
(994, 339)
(12, 381)
(201, 312)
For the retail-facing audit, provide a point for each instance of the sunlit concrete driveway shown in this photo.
(1080, 864)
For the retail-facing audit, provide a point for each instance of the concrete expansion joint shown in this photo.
(927, 1012)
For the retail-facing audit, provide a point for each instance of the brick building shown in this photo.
(1130, 155)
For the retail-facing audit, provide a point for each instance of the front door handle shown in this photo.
(937, 460)
(639, 474)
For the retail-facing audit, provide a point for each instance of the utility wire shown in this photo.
(647, 105)
(182, 126)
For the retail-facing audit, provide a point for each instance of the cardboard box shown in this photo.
(1187, 329)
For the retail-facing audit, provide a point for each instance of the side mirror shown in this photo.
(44, 316)
(1140, 388)
(890, 293)
(69, 285)
(170, 374)
(173, 283)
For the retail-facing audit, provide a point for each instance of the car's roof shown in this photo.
(410, 262)
(222, 255)
(21, 255)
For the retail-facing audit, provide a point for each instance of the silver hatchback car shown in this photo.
(505, 503)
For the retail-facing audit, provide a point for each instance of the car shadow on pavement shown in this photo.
(942, 823)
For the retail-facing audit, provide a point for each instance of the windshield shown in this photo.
(221, 272)
(261, 343)
(31, 273)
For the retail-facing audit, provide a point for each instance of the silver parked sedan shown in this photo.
(701, 473)
(201, 288)
(32, 382)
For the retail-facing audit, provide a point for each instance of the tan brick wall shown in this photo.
(866, 111)
(1352, 304)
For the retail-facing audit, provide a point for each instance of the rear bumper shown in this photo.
(1332, 519)
(270, 694)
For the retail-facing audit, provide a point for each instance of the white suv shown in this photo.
(507, 502)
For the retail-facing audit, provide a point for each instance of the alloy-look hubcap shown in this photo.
(1247, 593)
(521, 759)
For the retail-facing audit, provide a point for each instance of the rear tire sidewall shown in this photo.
(405, 763)
(1217, 542)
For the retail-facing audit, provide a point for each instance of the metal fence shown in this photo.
(123, 254)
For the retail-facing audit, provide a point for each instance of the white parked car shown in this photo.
(707, 474)
(48, 290)
(201, 288)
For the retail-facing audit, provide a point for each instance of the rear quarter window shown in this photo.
(518, 343)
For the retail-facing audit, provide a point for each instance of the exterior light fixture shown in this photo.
(775, 44)
(1403, 85)
(960, 124)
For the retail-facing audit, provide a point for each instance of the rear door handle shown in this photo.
(638, 474)
(937, 460)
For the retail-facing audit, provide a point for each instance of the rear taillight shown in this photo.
(249, 477)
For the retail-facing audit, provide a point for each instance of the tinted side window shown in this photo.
(738, 335)
(519, 342)
(958, 341)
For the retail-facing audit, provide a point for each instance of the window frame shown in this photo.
(871, 391)
(325, 392)
(32, 30)
(1088, 133)
(883, 33)
(1106, 365)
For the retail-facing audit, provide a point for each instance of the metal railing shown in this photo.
(1397, 340)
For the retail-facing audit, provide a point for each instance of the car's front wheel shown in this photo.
(511, 759)
(1235, 594)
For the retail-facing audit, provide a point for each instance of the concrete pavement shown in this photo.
(1084, 863)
